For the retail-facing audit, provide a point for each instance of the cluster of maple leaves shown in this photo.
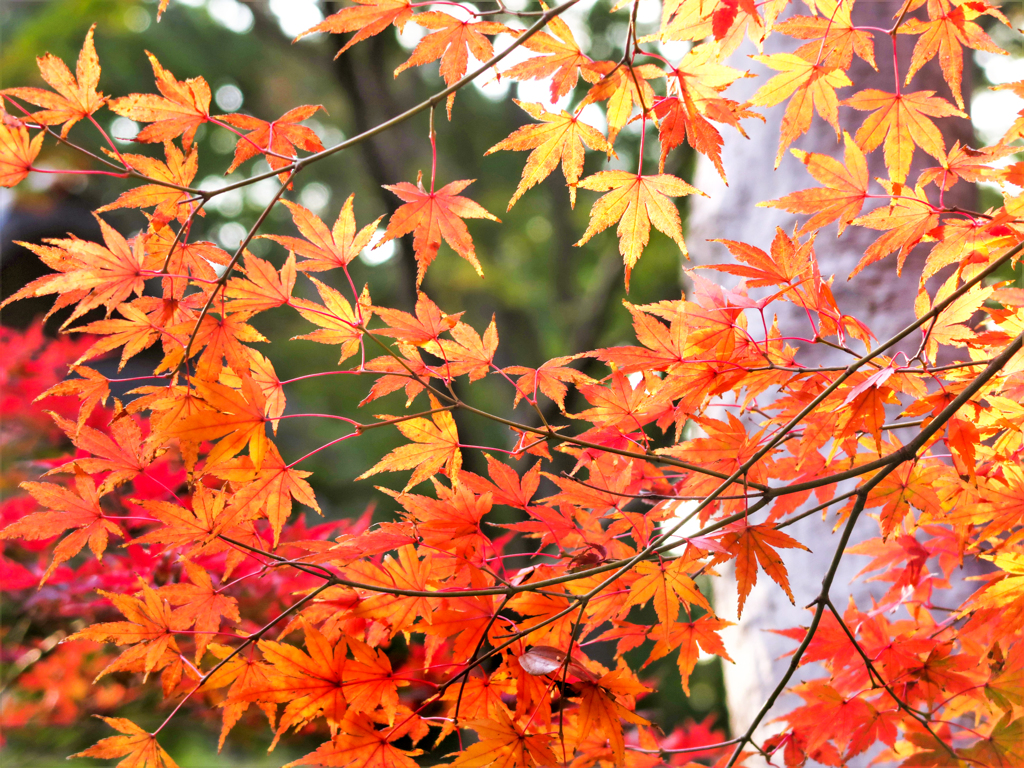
(395, 636)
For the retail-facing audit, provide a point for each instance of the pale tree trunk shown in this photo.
(876, 297)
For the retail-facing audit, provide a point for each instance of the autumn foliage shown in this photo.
(174, 525)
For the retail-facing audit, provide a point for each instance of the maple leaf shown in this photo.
(600, 712)
(789, 262)
(618, 85)
(1002, 747)
(452, 43)
(907, 219)
(947, 31)
(551, 379)
(561, 62)
(76, 96)
(136, 332)
(275, 138)
(754, 545)
(149, 629)
(468, 352)
(368, 18)
(909, 484)
(124, 457)
(167, 202)
(195, 258)
(902, 121)
(359, 744)
(91, 275)
(138, 747)
(435, 446)
(964, 162)
(433, 216)
(17, 152)
(65, 509)
(237, 416)
(504, 743)
(948, 328)
(326, 248)
(692, 637)
(835, 38)
(262, 288)
(842, 197)
(636, 202)
(339, 322)
(201, 605)
(560, 137)
(812, 88)
(667, 584)
(218, 339)
(179, 111)
(271, 491)
(424, 329)
(92, 388)
(407, 572)
(193, 528)
(311, 683)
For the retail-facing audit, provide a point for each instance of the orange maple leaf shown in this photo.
(202, 605)
(636, 202)
(692, 637)
(812, 88)
(561, 62)
(551, 379)
(424, 329)
(65, 509)
(600, 712)
(149, 629)
(167, 202)
(311, 683)
(504, 742)
(907, 219)
(136, 332)
(668, 584)
(435, 446)
(560, 137)
(754, 545)
(89, 273)
(788, 263)
(92, 388)
(339, 322)
(123, 454)
(842, 197)
(949, 28)
(17, 152)
(277, 137)
(270, 492)
(76, 96)
(359, 744)
(834, 38)
(326, 248)
(621, 86)
(237, 416)
(902, 121)
(138, 747)
(406, 572)
(433, 216)
(468, 352)
(368, 18)
(452, 43)
(263, 287)
(179, 111)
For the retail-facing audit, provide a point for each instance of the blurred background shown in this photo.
(548, 297)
